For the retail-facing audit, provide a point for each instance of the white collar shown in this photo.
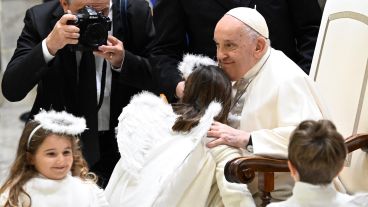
(257, 67)
(305, 191)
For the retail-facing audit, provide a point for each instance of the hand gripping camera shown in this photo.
(94, 27)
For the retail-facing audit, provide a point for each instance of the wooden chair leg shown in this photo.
(266, 186)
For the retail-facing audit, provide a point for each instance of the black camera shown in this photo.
(94, 27)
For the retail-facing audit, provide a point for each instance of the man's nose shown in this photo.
(221, 54)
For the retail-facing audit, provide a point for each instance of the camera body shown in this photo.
(94, 27)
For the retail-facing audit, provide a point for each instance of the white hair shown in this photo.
(253, 34)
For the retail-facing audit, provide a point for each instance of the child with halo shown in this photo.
(49, 169)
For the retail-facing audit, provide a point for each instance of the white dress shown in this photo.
(159, 167)
(68, 192)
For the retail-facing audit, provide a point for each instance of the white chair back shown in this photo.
(340, 69)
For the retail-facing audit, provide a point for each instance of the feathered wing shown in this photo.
(150, 152)
(143, 124)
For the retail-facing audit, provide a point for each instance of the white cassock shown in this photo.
(159, 167)
(279, 96)
(68, 192)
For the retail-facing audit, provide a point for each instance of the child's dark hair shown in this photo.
(205, 84)
(317, 151)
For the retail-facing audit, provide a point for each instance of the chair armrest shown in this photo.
(242, 169)
(357, 141)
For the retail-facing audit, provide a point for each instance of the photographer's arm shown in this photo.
(113, 52)
(131, 57)
(62, 34)
(28, 63)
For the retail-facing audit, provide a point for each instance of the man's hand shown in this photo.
(227, 135)
(179, 92)
(62, 34)
(113, 52)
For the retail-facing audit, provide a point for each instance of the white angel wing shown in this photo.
(151, 152)
(144, 123)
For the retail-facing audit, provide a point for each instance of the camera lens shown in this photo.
(93, 27)
(96, 35)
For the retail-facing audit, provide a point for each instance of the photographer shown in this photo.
(57, 53)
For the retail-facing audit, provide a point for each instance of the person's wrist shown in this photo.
(50, 48)
(250, 143)
(119, 63)
(115, 67)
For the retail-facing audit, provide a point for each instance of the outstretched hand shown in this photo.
(62, 34)
(227, 135)
(113, 52)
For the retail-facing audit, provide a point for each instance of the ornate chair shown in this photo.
(340, 70)
(243, 169)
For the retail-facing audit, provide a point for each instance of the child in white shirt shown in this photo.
(316, 155)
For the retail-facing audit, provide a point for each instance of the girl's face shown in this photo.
(54, 157)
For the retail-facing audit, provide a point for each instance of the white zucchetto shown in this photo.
(250, 17)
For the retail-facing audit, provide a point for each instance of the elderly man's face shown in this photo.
(75, 5)
(234, 47)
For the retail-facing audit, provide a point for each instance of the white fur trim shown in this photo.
(58, 122)
(61, 122)
(191, 61)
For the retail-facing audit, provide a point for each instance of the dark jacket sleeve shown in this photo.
(27, 65)
(169, 45)
(136, 70)
(307, 16)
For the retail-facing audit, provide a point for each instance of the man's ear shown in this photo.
(261, 47)
(64, 4)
